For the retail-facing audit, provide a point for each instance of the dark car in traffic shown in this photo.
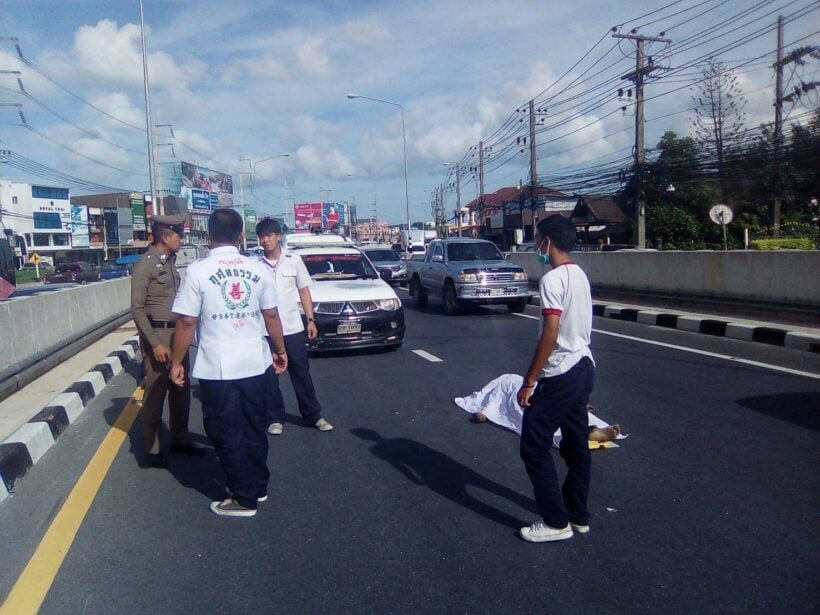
(387, 259)
(78, 273)
(111, 271)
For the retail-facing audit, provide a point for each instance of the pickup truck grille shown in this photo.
(495, 276)
(337, 307)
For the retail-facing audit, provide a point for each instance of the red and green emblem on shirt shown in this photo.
(236, 294)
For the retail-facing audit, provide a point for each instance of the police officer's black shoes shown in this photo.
(191, 449)
(154, 460)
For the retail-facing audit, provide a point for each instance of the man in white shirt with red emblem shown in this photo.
(556, 390)
(230, 301)
(292, 282)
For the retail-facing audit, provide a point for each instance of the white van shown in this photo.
(311, 240)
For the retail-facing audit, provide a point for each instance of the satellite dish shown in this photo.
(721, 214)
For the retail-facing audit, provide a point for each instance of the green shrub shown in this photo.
(782, 243)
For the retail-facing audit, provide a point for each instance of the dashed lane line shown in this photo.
(31, 588)
(426, 355)
(527, 316)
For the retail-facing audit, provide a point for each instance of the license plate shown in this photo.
(348, 327)
(498, 292)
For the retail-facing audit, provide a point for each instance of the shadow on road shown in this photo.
(796, 408)
(425, 466)
(201, 473)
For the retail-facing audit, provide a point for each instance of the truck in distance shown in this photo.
(463, 271)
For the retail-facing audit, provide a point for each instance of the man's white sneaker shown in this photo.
(541, 532)
(323, 425)
(275, 429)
(231, 508)
(581, 529)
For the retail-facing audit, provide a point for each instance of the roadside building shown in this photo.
(371, 230)
(600, 220)
(508, 215)
(42, 216)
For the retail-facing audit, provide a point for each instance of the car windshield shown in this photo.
(338, 267)
(383, 255)
(67, 267)
(477, 251)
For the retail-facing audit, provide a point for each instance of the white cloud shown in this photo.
(365, 32)
(264, 67)
(312, 57)
(320, 162)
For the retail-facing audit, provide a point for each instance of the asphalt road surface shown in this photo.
(711, 504)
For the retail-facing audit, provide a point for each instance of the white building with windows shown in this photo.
(41, 215)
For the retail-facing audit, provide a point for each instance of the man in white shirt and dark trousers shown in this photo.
(230, 301)
(292, 282)
(556, 390)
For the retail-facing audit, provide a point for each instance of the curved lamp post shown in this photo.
(404, 146)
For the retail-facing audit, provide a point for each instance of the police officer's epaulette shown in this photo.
(288, 255)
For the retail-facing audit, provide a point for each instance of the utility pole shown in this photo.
(778, 125)
(533, 172)
(480, 186)
(638, 77)
(156, 205)
(458, 197)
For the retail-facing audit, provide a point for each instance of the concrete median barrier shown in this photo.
(39, 330)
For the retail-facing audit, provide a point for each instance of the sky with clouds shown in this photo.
(255, 79)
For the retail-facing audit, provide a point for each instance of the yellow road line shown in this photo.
(31, 588)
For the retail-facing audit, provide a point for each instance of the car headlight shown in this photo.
(389, 305)
(520, 275)
(467, 277)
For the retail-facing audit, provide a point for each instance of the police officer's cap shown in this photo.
(175, 222)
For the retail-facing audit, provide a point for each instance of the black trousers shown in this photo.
(233, 413)
(560, 401)
(299, 372)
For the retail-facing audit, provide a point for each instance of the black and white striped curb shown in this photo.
(21, 450)
(710, 325)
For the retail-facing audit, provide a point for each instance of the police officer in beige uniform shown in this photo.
(154, 285)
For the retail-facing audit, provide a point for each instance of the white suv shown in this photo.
(353, 306)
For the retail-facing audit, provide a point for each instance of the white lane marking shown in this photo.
(527, 316)
(426, 355)
(777, 368)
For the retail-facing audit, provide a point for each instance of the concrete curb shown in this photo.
(22, 449)
(720, 326)
(712, 325)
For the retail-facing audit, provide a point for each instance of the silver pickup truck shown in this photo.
(464, 271)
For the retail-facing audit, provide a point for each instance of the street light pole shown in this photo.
(404, 147)
(253, 175)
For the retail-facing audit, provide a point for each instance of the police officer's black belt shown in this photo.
(162, 324)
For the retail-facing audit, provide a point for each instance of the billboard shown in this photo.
(79, 227)
(138, 211)
(205, 189)
(326, 216)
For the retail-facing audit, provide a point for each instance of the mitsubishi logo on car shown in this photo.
(348, 309)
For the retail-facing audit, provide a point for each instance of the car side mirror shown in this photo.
(386, 274)
(438, 258)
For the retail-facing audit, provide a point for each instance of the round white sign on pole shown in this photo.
(721, 214)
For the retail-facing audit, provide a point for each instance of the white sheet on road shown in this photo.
(497, 401)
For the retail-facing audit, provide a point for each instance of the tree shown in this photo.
(719, 117)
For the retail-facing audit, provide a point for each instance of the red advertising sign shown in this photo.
(307, 216)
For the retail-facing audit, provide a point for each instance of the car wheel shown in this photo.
(517, 306)
(449, 300)
(419, 298)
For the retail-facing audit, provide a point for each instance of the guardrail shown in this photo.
(38, 332)
(784, 280)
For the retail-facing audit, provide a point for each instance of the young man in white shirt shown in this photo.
(292, 282)
(230, 301)
(556, 390)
